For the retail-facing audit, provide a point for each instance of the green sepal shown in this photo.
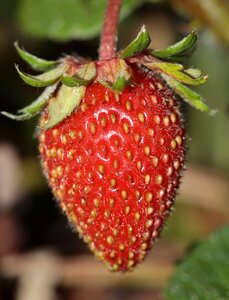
(34, 108)
(66, 100)
(139, 44)
(119, 84)
(188, 95)
(179, 50)
(21, 117)
(44, 79)
(82, 77)
(36, 63)
(178, 72)
(73, 81)
(87, 71)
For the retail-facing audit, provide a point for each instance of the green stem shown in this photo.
(108, 41)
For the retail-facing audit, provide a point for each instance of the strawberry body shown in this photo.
(114, 166)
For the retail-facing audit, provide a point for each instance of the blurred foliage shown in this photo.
(210, 142)
(64, 20)
(208, 258)
(213, 14)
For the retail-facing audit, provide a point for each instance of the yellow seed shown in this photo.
(103, 122)
(112, 254)
(151, 132)
(159, 179)
(147, 150)
(63, 139)
(149, 197)
(147, 179)
(113, 118)
(107, 98)
(59, 170)
(113, 182)
(129, 154)
(137, 137)
(161, 193)
(72, 134)
(128, 105)
(146, 236)
(173, 144)
(154, 99)
(137, 194)
(137, 216)
(165, 157)
(124, 194)
(125, 127)
(121, 247)
(152, 86)
(55, 132)
(101, 169)
(93, 213)
(70, 153)
(110, 240)
(141, 117)
(144, 246)
(53, 152)
(150, 210)
(81, 134)
(173, 117)
(166, 121)
(139, 165)
(127, 210)
(155, 161)
(83, 107)
(107, 213)
(87, 190)
(112, 202)
(178, 140)
(131, 255)
(115, 163)
(60, 153)
(149, 223)
(176, 164)
(42, 137)
(157, 119)
(96, 202)
(115, 232)
(92, 127)
(83, 201)
(169, 171)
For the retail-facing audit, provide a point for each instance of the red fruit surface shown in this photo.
(114, 166)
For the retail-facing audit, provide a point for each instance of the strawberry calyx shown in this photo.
(75, 74)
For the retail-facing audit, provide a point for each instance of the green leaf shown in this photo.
(68, 19)
(36, 63)
(177, 72)
(44, 79)
(139, 44)
(35, 107)
(204, 275)
(187, 94)
(67, 99)
(178, 50)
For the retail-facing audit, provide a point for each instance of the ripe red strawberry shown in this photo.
(114, 166)
(112, 142)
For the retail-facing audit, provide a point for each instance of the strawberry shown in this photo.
(112, 142)
(114, 166)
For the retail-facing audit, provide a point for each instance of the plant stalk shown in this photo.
(108, 41)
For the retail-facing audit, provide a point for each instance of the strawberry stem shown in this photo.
(108, 41)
